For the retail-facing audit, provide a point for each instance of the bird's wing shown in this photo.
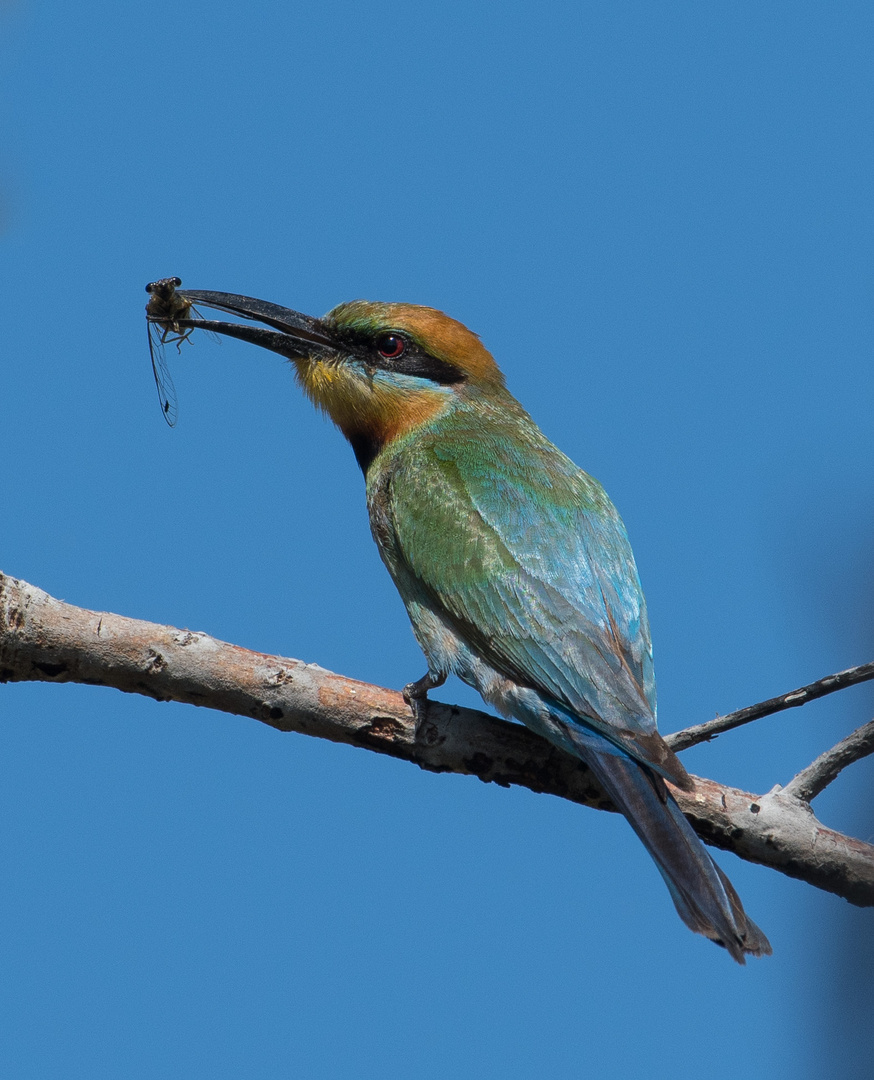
(529, 560)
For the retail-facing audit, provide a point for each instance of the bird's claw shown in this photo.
(419, 707)
(416, 696)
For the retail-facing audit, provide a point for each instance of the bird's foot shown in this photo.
(416, 696)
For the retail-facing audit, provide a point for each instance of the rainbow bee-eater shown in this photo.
(514, 566)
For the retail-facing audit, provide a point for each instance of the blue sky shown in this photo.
(660, 220)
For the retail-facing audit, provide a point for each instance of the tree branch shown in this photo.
(682, 740)
(820, 773)
(47, 640)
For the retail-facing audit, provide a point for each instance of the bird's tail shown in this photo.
(703, 895)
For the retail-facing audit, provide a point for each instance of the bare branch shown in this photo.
(820, 773)
(682, 740)
(45, 639)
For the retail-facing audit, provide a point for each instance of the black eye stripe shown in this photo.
(423, 366)
(411, 360)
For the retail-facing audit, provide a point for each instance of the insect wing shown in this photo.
(165, 310)
(163, 378)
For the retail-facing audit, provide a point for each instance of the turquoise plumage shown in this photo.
(536, 602)
(540, 581)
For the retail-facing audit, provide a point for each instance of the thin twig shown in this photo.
(820, 773)
(682, 740)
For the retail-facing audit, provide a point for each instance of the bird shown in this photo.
(514, 565)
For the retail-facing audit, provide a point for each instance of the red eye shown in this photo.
(391, 346)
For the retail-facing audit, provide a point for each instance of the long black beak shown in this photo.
(294, 335)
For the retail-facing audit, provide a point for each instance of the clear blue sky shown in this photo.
(659, 218)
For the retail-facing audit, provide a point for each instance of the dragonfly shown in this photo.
(165, 312)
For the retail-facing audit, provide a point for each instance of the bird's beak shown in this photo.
(293, 335)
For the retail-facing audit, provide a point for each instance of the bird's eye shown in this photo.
(391, 346)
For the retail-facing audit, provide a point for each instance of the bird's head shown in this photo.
(378, 370)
